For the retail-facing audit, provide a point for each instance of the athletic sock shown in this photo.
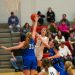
(39, 69)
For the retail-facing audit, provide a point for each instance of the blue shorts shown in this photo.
(60, 68)
(30, 63)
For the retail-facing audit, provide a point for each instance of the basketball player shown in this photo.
(70, 67)
(40, 47)
(48, 69)
(29, 58)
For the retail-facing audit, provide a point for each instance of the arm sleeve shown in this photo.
(17, 21)
(9, 21)
(68, 51)
(61, 53)
(63, 39)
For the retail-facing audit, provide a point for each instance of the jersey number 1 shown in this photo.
(31, 46)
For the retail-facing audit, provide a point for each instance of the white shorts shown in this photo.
(38, 53)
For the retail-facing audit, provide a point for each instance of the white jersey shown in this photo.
(40, 47)
(64, 51)
(51, 71)
(59, 40)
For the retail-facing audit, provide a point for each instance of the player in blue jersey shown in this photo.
(29, 58)
(55, 56)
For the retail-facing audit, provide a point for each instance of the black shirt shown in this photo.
(18, 52)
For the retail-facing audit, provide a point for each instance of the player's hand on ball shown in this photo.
(34, 17)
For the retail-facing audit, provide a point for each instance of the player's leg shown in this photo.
(33, 66)
(26, 62)
(26, 72)
(39, 65)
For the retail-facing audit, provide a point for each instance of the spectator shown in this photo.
(25, 29)
(64, 29)
(16, 60)
(13, 23)
(69, 45)
(50, 37)
(64, 51)
(53, 28)
(72, 36)
(50, 15)
(59, 37)
(72, 27)
(73, 54)
(64, 17)
(41, 18)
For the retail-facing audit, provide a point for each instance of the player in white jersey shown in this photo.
(40, 46)
(48, 69)
(51, 71)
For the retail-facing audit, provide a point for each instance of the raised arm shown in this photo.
(34, 28)
(14, 47)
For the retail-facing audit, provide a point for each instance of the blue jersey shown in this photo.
(57, 63)
(52, 53)
(30, 50)
(29, 59)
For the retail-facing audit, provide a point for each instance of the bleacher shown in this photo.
(7, 39)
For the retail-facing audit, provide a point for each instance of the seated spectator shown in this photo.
(64, 29)
(16, 60)
(59, 37)
(50, 37)
(72, 27)
(69, 45)
(72, 36)
(64, 17)
(13, 23)
(25, 29)
(53, 28)
(73, 54)
(41, 18)
(50, 15)
(64, 51)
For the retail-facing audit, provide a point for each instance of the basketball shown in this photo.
(33, 16)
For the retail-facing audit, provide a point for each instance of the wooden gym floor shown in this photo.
(12, 73)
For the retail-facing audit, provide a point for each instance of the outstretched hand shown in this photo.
(4, 47)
